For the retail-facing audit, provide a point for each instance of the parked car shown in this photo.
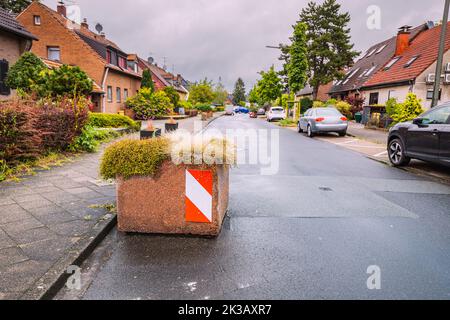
(243, 110)
(229, 111)
(253, 115)
(276, 113)
(261, 112)
(426, 138)
(321, 120)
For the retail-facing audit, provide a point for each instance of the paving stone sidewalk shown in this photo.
(44, 216)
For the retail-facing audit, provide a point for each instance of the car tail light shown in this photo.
(320, 119)
(344, 119)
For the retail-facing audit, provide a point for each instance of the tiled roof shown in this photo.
(9, 23)
(54, 64)
(168, 79)
(374, 59)
(425, 47)
(306, 91)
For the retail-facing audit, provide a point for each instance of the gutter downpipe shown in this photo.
(105, 77)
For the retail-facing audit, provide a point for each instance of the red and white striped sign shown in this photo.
(199, 190)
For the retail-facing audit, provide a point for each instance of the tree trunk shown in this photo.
(315, 92)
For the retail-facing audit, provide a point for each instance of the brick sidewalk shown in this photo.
(44, 217)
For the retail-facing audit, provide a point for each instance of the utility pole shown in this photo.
(437, 78)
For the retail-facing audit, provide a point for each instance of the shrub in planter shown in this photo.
(158, 181)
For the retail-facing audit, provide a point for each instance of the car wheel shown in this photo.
(396, 151)
(342, 133)
(299, 127)
(309, 132)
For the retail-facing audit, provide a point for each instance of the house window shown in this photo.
(369, 72)
(54, 53)
(391, 63)
(37, 20)
(108, 56)
(411, 61)
(430, 94)
(125, 94)
(4, 67)
(118, 95)
(381, 49)
(371, 52)
(110, 94)
(122, 62)
(373, 98)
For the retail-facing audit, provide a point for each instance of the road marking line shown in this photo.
(381, 154)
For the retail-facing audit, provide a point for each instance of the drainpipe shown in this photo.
(105, 77)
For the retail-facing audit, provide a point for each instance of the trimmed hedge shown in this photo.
(103, 120)
(130, 158)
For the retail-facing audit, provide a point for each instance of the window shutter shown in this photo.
(4, 67)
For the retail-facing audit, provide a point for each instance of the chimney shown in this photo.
(103, 35)
(61, 9)
(84, 24)
(402, 40)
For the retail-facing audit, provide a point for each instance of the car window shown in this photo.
(277, 109)
(438, 116)
(331, 112)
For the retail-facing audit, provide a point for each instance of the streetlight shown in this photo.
(437, 79)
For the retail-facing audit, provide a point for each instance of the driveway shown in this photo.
(312, 231)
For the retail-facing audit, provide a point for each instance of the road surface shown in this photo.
(309, 232)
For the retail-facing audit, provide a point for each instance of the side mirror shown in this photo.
(418, 121)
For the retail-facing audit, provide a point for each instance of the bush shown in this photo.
(130, 158)
(185, 104)
(203, 107)
(410, 109)
(20, 140)
(148, 105)
(61, 123)
(331, 102)
(173, 96)
(25, 73)
(103, 120)
(220, 109)
(345, 108)
(91, 137)
(318, 104)
(305, 104)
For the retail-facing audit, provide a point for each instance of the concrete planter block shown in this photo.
(162, 205)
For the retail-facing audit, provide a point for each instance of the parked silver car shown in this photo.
(318, 120)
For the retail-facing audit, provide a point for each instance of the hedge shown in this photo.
(103, 120)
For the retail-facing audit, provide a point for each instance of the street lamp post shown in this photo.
(437, 79)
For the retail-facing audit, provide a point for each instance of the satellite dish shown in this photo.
(150, 60)
(99, 28)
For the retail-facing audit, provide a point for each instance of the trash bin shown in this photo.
(358, 117)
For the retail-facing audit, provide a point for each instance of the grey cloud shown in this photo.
(227, 38)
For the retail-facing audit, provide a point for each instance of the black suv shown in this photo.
(426, 138)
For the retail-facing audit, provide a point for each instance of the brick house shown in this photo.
(161, 78)
(412, 69)
(14, 41)
(64, 41)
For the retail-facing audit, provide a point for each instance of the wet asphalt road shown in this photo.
(309, 232)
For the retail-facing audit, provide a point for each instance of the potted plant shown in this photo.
(150, 132)
(171, 125)
(191, 198)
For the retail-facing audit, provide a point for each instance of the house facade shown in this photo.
(375, 58)
(114, 71)
(15, 39)
(412, 69)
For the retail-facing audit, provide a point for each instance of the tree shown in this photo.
(26, 72)
(328, 39)
(173, 96)
(239, 91)
(253, 95)
(16, 6)
(147, 81)
(65, 81)
(410, 109)
(269, 87)
(201, 92)
(220, 94)
(297, 66)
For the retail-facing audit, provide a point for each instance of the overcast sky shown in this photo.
(227, 38)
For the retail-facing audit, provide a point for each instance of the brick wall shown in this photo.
(11, 48)
(116, 80)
